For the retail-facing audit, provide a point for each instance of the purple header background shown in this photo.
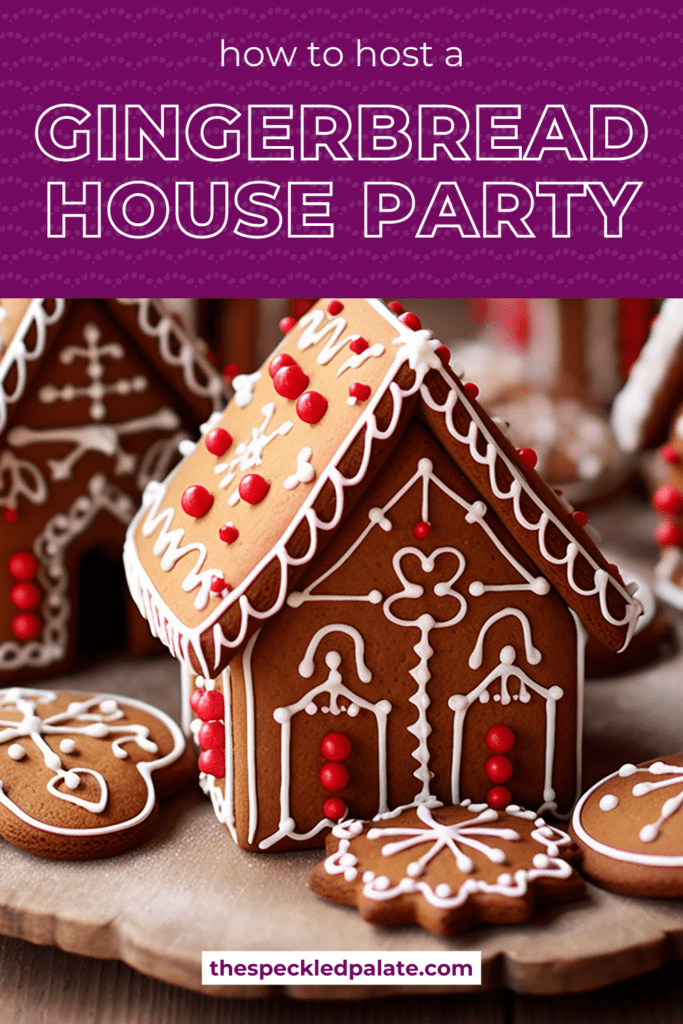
(577, 56)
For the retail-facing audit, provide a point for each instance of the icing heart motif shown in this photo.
(71, 779)
(441, 588)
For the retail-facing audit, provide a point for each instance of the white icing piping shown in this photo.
(17, 355)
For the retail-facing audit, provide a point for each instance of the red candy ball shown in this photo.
(334, 808)
(669, 535)
(333, 776)
(396, 307)
(228, 533)
(411, 320)
(580, 518)
(210, 706)
(253, 488)
(500, 739)
(279, 362)
(527, 457)
(668, 500)
(231, 370)
(196, 501)
(26, 596)
(195, 698)
(212, 762)
(334, 307)
(218, 441)
(498, 797)
(499, 768)
(422, 530)
(471, 389)
(23, 565)
(286, 324)
(311, 407)
(290, 381)
(10, 515)
(211, 736)
(444, 354)
(218, 585)
(335, 746)
(26, 626)
(670, 454)
(358, 345)
(361, 392)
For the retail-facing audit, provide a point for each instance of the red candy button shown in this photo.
(228, 533)
(279, 362)
(500, 739)
(444, 354)
(311, 407)
(231, 370)
(422, 530)
(411, 320)
(290, 381)
(210, 706)
(669, 535)
(471, 389)
(195, 698)
(26, 596)
(196, 501)
(669, 453)
(253, 488)
(396, 307)
(580, 518)
(498, 797)
(333, 776)
(334, 808)
(358, 345)
(218, 585)
(668, 500)
(218, 441)
(212, 735)
(335, 746)
(527, 457)
(26, 626)
(23, 565)
(361, 392)
(334, 307)
(287, 323)
(10, 515)
(499, 768)
(212, 762)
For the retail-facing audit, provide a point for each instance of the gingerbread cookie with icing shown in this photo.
(630, 829)
(80, 774)
(447, 868)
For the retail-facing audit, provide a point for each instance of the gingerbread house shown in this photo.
(376, 600)
(647, 414)
(95, 396)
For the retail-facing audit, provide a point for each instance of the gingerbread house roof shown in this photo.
(218, 545)
(644, 407)
(30, 326)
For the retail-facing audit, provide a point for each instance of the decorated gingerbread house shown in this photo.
(376, 600)
(95, 396)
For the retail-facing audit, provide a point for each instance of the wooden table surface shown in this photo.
(45, 985)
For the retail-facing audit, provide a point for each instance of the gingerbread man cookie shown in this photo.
(80, 774)
(447, 868)
(630, 829)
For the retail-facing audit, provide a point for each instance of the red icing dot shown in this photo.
(358, 345)
(527, 457)
(335, 746)
(669, 453)
(280, 361)
(614, 569)
(669, 535)
(580, 518)
(498, 797)
(195, 699)
(334, 808)
(411, 320)
(668, 500)
(286, 324)
(25, 596)
(228, 533)
(10, 515)
(253, 488)
(396, 307)
(500, 739)
(361, 392)
(218, 441)
(444, 354)
(231, 370)
(212, 762)
(334, 307)
(499, 768)
(333, 776)
(290, 381)
(211, 735)
(196, 501)
(422, 530)
(23, 565)
(210, 706)
(26, 626)
(471, 389)
(311, 407)
(218, 585)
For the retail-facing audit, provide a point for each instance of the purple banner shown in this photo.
(428, 150)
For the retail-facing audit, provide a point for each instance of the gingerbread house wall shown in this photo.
(404, 639)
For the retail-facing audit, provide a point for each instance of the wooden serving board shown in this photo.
(190, 888)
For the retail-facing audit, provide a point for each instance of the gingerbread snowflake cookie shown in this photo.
(630, 829)
(447, 868)
(80, 774)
